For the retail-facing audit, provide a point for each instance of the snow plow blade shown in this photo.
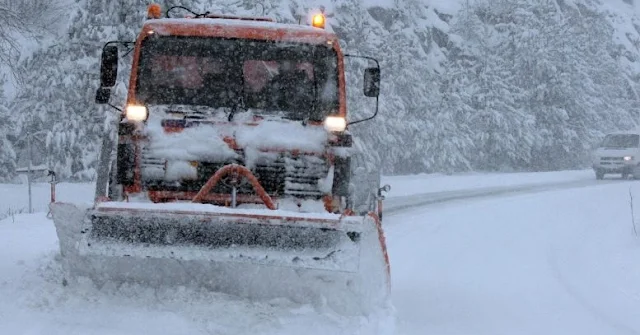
(257, 254)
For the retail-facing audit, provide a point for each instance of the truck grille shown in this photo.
(152, 167)
(290, 175)
(612, 162)
(282, 174)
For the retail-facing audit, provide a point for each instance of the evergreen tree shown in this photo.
(58, 97)
(542, 84)
(7, 154)
(500, 85)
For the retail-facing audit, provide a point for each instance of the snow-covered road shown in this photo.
(562, 260)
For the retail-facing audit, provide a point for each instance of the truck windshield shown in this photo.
(621, 141)
(294, 80)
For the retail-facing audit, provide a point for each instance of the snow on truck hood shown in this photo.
(205, 140)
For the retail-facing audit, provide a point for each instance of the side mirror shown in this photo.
(103, 94)
(372, 82)
(371, 85)
(109, 66)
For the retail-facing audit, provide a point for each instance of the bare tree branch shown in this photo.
(20, 20)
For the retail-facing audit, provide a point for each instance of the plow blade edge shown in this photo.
(257, 254)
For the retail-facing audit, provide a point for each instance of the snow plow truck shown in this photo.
(234, 167)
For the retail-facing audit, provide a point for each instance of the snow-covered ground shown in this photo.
(561, 262)
(14, 198)
(555, 262)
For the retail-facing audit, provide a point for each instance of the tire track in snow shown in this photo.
(583, 242)
(584, 302)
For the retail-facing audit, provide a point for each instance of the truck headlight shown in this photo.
(335, 123)
(628, 158)
(136, 113)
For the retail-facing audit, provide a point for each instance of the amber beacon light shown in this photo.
(154, 11)
(318, 21)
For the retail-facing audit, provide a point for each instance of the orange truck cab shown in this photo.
(234, 110)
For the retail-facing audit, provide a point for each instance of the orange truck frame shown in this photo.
(130, 138)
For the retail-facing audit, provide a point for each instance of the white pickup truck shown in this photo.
(618, 153)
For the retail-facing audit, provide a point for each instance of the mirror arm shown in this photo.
(367, 119)
(128, 51)
(124, 43)
(365, 57)
(115, 107)
(377, 98)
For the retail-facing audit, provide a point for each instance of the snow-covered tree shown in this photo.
(543, 86)
(24, 20)
(57, 99)
(499, 85)
(7, 154)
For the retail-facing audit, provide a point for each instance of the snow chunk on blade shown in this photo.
(254, 253)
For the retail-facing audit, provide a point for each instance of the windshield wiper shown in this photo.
(235, 108)
(239, 101)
